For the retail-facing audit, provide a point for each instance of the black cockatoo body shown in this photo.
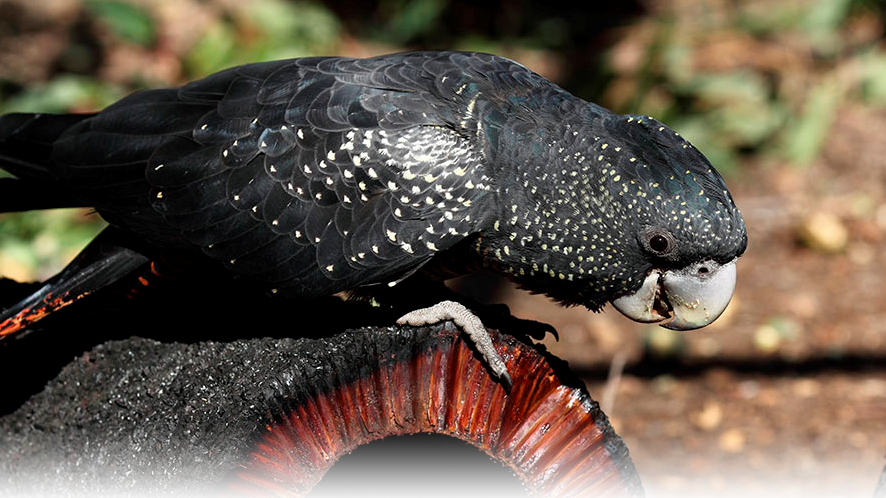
(313, 176)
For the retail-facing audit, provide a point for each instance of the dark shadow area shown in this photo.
(651, 367)
(439, 466)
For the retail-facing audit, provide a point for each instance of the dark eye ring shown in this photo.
(660, 242)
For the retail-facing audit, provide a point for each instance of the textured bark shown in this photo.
(137, 416)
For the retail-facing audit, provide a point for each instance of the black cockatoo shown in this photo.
(312, 176)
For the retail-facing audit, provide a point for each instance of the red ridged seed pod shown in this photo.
(547, 430)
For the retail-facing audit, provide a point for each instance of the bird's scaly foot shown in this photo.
(468, 322)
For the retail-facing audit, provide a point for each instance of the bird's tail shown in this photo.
(26, 152)
(102, 263)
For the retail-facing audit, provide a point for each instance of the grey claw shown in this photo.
(470, 324)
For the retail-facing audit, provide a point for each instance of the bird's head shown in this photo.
(622, 209)
(686, 232)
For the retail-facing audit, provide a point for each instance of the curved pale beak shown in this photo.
(684, 299)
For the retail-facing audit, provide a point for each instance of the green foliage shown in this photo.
(38, 244)
(759, 77)
(264, 30)
(128, 21)
(408, 19)
(821, 24)
(214, 51)
(63, 94)
(805, 135)
(872, 69)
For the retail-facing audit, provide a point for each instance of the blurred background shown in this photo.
(784, 395)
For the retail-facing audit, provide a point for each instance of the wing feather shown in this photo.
(314, 174)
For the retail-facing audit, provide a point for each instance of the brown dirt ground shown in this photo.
(786, 394)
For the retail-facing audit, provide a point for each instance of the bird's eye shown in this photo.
(659, 242)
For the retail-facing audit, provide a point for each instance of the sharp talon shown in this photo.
(506, 381)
